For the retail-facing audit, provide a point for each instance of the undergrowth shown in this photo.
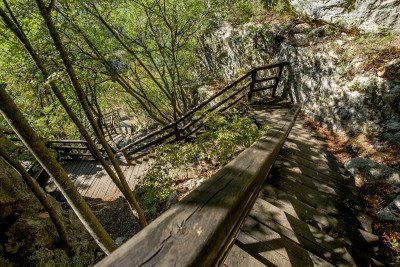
(223, 138)
(374, 50)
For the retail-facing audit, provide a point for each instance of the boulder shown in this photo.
(373, 171)
(391, 212)
(366, 15)
(391, 70)
(301, 28)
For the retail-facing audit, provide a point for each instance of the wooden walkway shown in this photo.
(306, 213)
(92, 181)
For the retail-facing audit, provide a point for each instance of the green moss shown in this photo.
(356, 87)
(282, 7)
(349, 5)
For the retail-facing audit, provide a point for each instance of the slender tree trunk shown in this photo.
(81, 128)
(36, 146)
(16, 29)
(46, 14)
(38, 192)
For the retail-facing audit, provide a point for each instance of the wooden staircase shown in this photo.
(306, 213)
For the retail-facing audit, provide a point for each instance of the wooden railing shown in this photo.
(71, 149)
(251, 82)
(200, 229)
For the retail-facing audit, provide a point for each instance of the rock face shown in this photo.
(364, 103)
(392, 211)
(374, 171)
(367, 15)
(230, 51)
(28, 237)
(317, 77)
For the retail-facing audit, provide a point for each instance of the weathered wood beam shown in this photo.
(200, 229)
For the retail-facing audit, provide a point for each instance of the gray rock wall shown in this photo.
(362, 103)
(367, 15)
(365, 103)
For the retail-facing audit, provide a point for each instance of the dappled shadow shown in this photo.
(307, 211)
(92, 181)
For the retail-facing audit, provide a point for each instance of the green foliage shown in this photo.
(281, 7)
(372, 50)
(349, 5)
(153, 191)
(357, 87)
(233, 11)
(224, 138)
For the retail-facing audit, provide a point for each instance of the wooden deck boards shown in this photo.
(306, 213)
(92, 181)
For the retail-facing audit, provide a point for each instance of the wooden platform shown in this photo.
(92, 181)
(306, 213)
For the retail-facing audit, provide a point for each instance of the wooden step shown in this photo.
(274, 249)
(317, 200)
(237, 257)
(310, 238)
(326, 167)
(329, 189)
(301, 169)
(333, 226)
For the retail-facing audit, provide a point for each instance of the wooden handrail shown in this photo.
(66, 141)
(161, 133)
(201, 228)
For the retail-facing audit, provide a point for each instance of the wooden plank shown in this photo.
(75, 173)
(114, 191)
(104, 182)
(310, 238)
(132, 179)
(314, 199)
(90, 177)
(295, 167)
(92, 192)
(333, 226)
(80, 179)
(328, 188)
(268, 245)
(317, 165)
(318, 170)
(199, 229)
(65, 141)
(240, 258)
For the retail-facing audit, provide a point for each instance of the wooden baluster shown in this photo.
(278, 78)
(177, 132)
(251, 88)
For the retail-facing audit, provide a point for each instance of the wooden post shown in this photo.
(128, 161)
(177, 132)
(278, 78)
(253, 81)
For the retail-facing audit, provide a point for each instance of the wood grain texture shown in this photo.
(197, 230)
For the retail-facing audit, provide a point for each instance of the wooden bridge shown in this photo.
(284, 201)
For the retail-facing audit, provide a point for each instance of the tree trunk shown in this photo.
(129, 195)
(38, 192)
(36, 146)
(17, 30)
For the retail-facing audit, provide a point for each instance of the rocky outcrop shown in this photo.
(366, 15)
(371, 171)
(230, 51)
(318, 77)
(28, 237)
(391, 212)
(361, 103)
